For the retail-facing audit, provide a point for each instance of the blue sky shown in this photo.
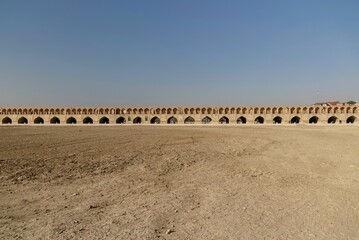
(131, 53)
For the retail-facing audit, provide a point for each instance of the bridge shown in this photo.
(343, 114)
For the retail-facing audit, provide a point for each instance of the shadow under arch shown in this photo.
(71, 120)
(277, 120)
(313, 120)
(295, 120)
(6, 120)
(39, 120)
(137, 120)
(206, 120)
(332, 120)
(55, 120)
(87, 120)
(241, 120)
(22, 120)
(351, 119)
(189, 120)
(172, 120)
(155, 120)
(224, 120)
(259, 120)
(104, 120)
(120, 120)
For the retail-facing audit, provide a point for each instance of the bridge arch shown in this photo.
(137, 120)
(155, 120)
(189, 120)
(313, 120)
(206, 120)
(172, 120)
(224, 120)
(259, 120)
(87, 120)
(39, 120)
(351, 119)
(332, 119)
(295, 120)
(6, 120)
(71, 120)
(241, 120)
(277, 120)
(55, 120)
(22, 120)
(120, 120)
(104, 120)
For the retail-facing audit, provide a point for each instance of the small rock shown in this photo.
(94, 206)
(169, 231)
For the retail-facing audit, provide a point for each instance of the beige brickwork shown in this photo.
(342, 114)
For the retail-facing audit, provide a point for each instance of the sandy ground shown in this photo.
(164, 182)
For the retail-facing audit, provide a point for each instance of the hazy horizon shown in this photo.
(185, 53)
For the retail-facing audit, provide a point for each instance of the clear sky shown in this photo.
(145, 53)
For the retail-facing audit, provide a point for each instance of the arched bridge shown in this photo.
(345, 114)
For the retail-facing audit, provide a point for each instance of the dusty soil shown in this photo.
(164, 182)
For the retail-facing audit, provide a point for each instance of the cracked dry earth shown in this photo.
(179, 182)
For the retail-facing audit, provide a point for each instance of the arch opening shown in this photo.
(277, 120)
(71, 120)
(120, 120)
(189, 120)
(351, 119)
(313, 120)
(137, 120)
(39, 120)
(87, 120)
(241, 120)
(104, 120)
(172, 120)
(259, 120)
(206, 120)
(55, 120)
(6, 120)
(223, 120)
(22, 120)
(332, 119)
(295, 120)
(155, 120)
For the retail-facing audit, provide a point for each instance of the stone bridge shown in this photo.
(343, 114)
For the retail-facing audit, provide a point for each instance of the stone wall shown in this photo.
(342, 114)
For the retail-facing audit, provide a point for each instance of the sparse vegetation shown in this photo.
(351, 102)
